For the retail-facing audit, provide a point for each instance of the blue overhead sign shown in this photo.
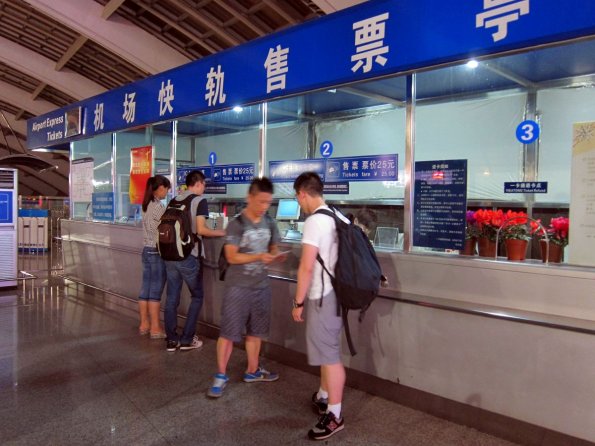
(376, 38)
(525, 187)
(224, 173)
(354, 168)
(287, 171)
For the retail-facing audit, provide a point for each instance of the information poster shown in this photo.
(103, 206)
(581, 233)
(440, 204)
(141, 168)
(81, 174)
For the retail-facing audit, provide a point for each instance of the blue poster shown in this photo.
(374, 39)
(440, 204)
(6, 217)
(103, 206)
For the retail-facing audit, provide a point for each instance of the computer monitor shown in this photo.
(288, 209)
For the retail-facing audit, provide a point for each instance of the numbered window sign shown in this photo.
(326, 149)
(527, 131)
(212, 158)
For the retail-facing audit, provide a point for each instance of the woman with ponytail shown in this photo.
(149, 300)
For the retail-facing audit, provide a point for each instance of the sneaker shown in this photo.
(196, 343)
(320, 404)
(219, 383)
(327, 425)
(172, 346)
(260, 375)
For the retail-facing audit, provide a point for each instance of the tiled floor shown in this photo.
(73, 371)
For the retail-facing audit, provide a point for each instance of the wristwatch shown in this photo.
(297, 305)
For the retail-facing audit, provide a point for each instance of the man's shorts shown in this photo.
(245, 308)
(323, 331)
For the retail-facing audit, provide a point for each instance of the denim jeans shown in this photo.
(188, 271)
(153, 275)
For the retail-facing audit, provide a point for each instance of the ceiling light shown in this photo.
(472, 64)
(237, 109)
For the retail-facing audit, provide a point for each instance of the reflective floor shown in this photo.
(73, 371)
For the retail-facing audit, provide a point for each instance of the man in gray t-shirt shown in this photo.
(251, 237)
(250, 245)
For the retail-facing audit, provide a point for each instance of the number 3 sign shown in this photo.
(527, 131)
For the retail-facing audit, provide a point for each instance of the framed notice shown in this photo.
(582, 200)
(141, 168)
(81, 174)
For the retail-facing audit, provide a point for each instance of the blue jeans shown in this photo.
(188, 271)
(153, 275)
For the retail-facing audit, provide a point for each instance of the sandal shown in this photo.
(161, 335)
(143, 331)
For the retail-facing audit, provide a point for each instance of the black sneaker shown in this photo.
(327, 425)
(172, 346)
(320, 404)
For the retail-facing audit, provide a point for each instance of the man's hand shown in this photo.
(296, 313)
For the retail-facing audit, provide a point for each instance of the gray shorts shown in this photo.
(245, 308)
(323, 331)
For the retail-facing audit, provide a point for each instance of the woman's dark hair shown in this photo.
(261, 185)
(367, 217)
(310, 183)
(153, 184)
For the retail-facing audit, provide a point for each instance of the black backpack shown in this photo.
(223, 264)
(357, 274)
(176, 238)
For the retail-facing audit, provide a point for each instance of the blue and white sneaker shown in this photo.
(219, 382)
(260, 375)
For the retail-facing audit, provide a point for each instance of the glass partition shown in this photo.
(91, 172)
(222, 141)
(363, 120)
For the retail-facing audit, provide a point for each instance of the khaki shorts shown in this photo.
(323, 331)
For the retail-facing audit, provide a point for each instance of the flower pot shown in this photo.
(469, 248)
(516, 249)
(555, 254)
(486, 248)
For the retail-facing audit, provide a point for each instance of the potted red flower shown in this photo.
(488, 222)
(516, 231)
(557, 233)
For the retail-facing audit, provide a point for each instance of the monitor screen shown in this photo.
(288, 209)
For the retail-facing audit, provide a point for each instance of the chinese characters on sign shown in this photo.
(98, 120)
(535, 187)
(129, 107)
(499, 13)
(440, 204)
(358, 168)
(276, 65)
(166, 97)
(141, 168)
(215, 94)
(369, 46)
(220, 175)
(287, 171)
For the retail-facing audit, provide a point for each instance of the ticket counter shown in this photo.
(452, 334)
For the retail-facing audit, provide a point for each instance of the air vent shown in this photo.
(7, 179)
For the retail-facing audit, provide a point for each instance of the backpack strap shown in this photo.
(319, 258)
(187, 202)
